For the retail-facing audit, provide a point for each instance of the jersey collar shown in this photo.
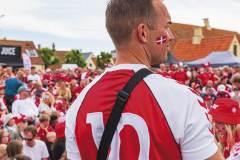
(134, 67)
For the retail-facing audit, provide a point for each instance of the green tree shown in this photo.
(48, 56)
(103, 59)
(75, 57)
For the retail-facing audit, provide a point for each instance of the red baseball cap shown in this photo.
(227, 111)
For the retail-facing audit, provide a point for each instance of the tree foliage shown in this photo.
(103, 59)
(75, 57)
(48, 56)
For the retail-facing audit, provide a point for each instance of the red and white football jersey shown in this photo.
(162, 120)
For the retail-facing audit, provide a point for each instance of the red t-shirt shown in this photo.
(76, 90)
(204, 77)
(42, 134)
(47, 76)
(180, 76)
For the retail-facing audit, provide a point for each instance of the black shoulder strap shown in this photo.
(122, 98)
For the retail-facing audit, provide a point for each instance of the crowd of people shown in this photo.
(220, 90)
(33, 104)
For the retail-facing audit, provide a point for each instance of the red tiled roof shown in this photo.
(25, 45)
(214, 40)
(60, 55)
(37, 60)
(184, 50)
(185, 31)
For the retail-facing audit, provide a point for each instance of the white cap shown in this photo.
(221, 88)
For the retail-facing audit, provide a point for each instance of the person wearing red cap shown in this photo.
(226, 117)
(21, 123)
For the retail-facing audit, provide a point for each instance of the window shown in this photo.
(235, 50)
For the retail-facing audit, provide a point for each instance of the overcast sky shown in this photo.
(79, 24)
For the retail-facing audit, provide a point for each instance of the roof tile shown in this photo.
(214, 40)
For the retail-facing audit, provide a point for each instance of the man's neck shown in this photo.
(133, 55)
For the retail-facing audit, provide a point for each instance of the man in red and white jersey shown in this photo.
(162, 120)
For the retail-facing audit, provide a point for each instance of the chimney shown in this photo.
(39, 46)
(207, 24)
(198, 35)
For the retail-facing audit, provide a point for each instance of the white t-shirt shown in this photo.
(25, 107)
(37, 152)
(34, 77)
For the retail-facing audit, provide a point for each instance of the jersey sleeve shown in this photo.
(198, 142)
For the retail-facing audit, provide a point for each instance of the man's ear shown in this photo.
(142, 33)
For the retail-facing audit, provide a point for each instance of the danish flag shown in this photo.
(161, 40)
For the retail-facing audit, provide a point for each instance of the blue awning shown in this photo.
(217, 59)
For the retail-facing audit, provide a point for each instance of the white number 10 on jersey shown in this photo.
(135, 121)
